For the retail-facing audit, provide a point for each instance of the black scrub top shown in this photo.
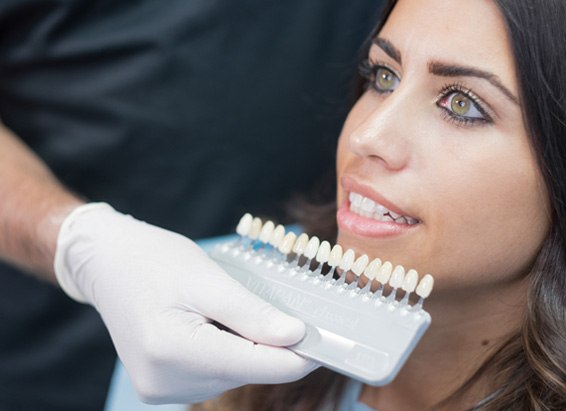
(183, 113)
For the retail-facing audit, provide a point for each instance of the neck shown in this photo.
(465, 330)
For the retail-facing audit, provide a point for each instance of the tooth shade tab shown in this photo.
(410, 281)
(384, 273)
(287, 243)
(397, 277)
(425, 286)
(245, 225)
(301, 244)
(255, 229)
(312, 247)
(323, 252)
(266, 231)
(277, 236)
(335, 256)
(347, 260)
(372, 268)
(360, 265)
(378, 321)
(293, 246)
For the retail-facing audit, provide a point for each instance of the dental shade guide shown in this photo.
(364, 334)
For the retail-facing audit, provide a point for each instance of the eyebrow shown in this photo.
(388, 48)
(448, 70)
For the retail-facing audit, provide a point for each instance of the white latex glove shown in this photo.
(157, 292)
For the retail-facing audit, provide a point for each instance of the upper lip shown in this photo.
(349, 184)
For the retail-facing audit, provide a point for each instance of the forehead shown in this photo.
(470, 33)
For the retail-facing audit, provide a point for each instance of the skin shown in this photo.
(33, 207)
(474, 186)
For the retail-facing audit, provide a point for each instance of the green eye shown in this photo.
(461, 104)
(385, 80)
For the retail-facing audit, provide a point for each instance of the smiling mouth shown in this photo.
(366, 207)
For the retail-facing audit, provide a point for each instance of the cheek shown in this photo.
(494, 219)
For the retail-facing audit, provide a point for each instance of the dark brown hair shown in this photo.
(528, 371)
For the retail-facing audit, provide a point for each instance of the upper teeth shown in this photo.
(369, 208)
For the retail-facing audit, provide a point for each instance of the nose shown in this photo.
(384, 134)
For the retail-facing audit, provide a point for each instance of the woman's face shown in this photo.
(437, 151)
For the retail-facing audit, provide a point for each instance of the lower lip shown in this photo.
(368, 227)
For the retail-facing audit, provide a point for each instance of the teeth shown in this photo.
(287, 243)
(394, 215)
(312, 247)
(381, 209)
(277, 236)
(356, 199)
(360, 265)
(245, 224)
(366, 207)
(425, 286)
(401, 220)
(347, 260)
(301, 244)
(381, 217)
(266, 231)
(335, 256)
(323, 252)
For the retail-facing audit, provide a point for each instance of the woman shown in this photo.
(460, 134)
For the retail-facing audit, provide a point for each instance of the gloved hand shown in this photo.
(157, 293)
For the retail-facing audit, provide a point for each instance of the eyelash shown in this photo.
(452, 88)
(368, 69)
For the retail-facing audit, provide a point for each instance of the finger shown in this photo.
(230, 357)
(237, 308)
(186, 358)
